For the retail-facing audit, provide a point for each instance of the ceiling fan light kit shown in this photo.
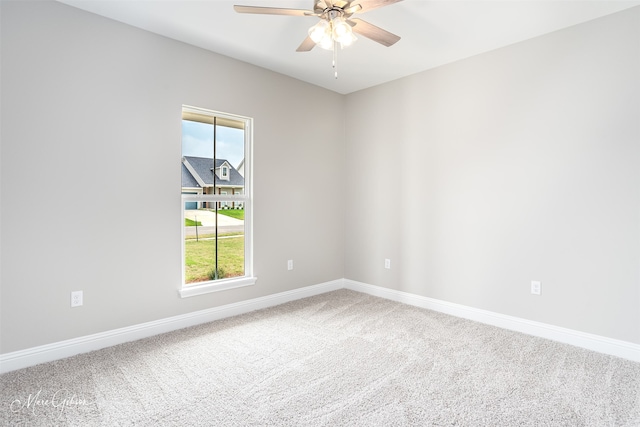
(324, 33)
(334, 29)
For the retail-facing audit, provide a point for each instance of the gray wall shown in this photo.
(521, 164)
(474, 178)
(91, 130)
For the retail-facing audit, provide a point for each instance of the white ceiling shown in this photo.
(433, 32)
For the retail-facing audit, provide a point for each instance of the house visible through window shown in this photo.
(216, 202)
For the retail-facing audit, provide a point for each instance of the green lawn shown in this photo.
(200, 258)
(233, 213)
(191, 223)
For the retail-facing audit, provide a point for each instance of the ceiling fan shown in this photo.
(336, 27)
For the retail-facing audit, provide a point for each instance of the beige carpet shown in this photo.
(337, 359)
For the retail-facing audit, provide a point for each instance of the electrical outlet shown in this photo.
(536, 288)
(290, 264)
(387, 263)
(76, 298)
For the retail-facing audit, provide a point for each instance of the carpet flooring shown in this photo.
(338, 359)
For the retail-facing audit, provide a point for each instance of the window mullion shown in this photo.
(211, 197)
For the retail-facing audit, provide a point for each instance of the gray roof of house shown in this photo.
(187, 179)
(204, 168)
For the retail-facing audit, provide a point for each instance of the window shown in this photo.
(216, 201)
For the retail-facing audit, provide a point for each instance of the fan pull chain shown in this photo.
(335, 58)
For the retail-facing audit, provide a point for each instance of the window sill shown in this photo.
(217, 286)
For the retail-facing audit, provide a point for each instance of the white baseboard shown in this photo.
(59, 350)
(593, 342)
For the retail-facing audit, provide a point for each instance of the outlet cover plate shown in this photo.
(76, 298)
(536, 288)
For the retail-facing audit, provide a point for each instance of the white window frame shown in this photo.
(246, 198)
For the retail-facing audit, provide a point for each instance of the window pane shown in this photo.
(197, 139)
(229, 152)
(202, 242)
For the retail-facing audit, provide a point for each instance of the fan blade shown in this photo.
(352, 9)
(306, 45)
(368, 5)
(374, 33)
(319, 6)
(271, 10)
